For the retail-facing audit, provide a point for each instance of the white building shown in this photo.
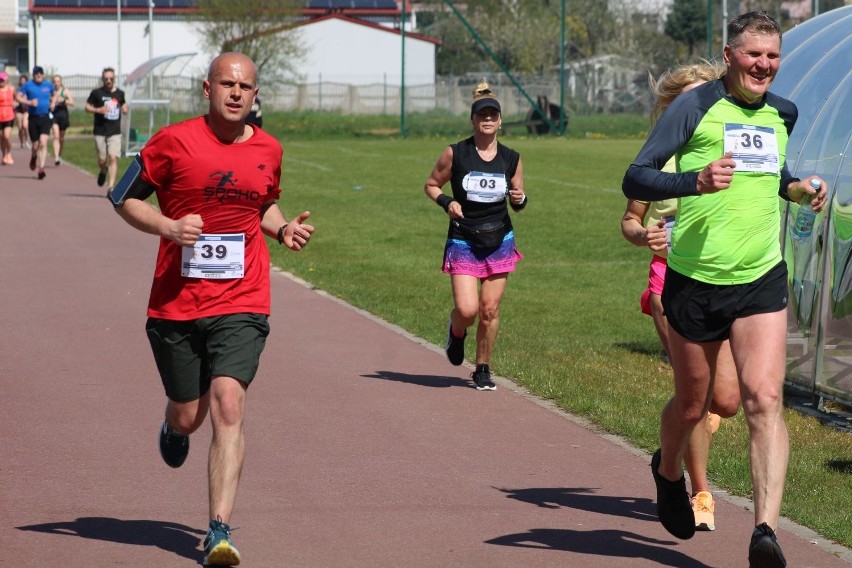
(347, 50)
(338, 48)
(13, 36)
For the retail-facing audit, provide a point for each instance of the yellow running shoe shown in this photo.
(218, 548)
(703, 507)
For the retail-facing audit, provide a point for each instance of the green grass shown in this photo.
(571, 330)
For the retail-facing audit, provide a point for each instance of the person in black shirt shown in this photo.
(107, 103)
(480, 249)
(255, 116)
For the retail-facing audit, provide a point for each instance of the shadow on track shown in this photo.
(433, 381)
(585, 499)
(172, 537)
(617, 544)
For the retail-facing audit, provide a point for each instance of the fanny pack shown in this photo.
(485, 235)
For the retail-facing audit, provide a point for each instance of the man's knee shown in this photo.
(186, 417)
(687, 408)
(766, 398)
(227, 397)
(725, 407)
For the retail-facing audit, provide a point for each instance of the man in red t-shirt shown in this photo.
(217, 182)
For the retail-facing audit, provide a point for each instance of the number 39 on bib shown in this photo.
(215, 256)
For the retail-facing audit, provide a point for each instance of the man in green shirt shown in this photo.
(726, 278)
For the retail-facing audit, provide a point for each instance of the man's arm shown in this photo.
(90, 106)
(644, 180)
(142, 216)
(21, 97)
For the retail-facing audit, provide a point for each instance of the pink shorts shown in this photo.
(656, 279)
(461, 258)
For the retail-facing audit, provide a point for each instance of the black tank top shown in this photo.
(466, 160)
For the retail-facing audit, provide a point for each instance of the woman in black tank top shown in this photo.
(62, 99)
(480, 248)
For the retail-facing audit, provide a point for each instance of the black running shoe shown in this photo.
(674, 508)
(764, 552)
(455, 346)
(102, 178)
(482, 378)
(41, 173)
(174, 446)
(33, 162)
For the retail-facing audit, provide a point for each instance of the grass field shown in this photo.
(571, 330)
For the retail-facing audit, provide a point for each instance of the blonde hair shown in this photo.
(672, 82)
(483, 91)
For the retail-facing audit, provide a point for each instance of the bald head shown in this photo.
(231, 88)
(230, 62)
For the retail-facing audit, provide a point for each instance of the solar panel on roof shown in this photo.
(352, 4)
(111, 4)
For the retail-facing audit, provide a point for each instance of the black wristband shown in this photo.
(444, 201)
(520, 205)
(281, 233)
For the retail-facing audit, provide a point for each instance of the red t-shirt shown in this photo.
(194, 172)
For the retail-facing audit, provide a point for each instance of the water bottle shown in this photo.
(804, 224)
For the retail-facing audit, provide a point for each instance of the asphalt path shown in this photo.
(365, 447)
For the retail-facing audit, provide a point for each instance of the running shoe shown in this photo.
(33, 162)
(764, 552)
(703, 507)
(674, 508)
(715, 421)
(57, 162)
(102, 178)
(482, 378)
(455, 346)
(218, 548)
(174, 446)
(7, 159)
(41, 173)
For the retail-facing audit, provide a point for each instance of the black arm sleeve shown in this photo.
(644, 179)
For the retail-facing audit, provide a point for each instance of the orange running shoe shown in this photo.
(703, 507)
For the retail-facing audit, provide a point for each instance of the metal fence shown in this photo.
(451, 94)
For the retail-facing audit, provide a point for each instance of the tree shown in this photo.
(687, 23)
(591, 27)
(520, 33)
(261, 29)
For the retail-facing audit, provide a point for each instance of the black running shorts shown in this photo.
(39, 125)
(190, 353)
(705, 312)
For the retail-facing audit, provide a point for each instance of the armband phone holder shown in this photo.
(130, 185)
